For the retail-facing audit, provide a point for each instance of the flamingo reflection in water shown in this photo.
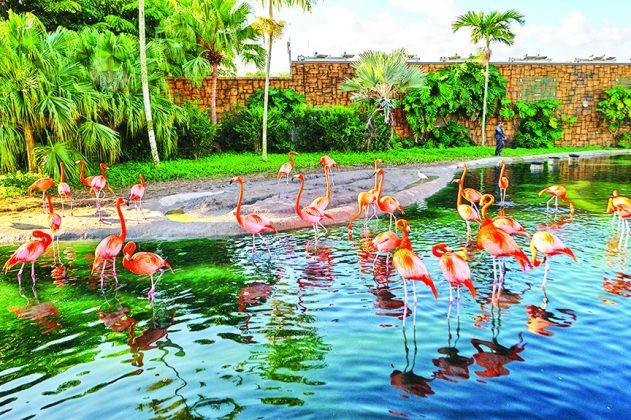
(118, 319)
(406, 380)
(453, 365)
(540, 319)
(318, 273)
(148, 338)
(619, 285)
(44, 314)
(253, 294)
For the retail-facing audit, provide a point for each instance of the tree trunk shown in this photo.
(30, 148)
(268, 59)
(213, 93)
(145, 82)
(486, 92)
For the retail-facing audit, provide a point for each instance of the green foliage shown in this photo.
(285, 100)
(15, 184)
(623, 140)
(616, 108)
(452, 93)
(197, 138)
(50, 156)
(539, 124)
(451, 135)
(241, 129)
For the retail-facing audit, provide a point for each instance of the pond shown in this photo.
(317, 330)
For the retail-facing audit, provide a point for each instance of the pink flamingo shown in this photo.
(109, 247)
(624, 212)
(310, 214)
(54, 222)
(328, 161)
(42, 184)
(387, 204)
(29, 252)
(465, 211)
(549, 245)
(97, 185)
(456, 271)
(409, 265)
(286, 167)
(322, 202)
(616, 200)
(144, 264)
(136, 194)
(503, 182)
(373, 190)
(64, 189)
(252, 223)
(509, 225)
(385, 242)
(498, 243)
(557, 191)
(471, 195)
(364, 200)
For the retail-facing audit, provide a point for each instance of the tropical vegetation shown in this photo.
(615, 110)
(493, 27)
(539, 124)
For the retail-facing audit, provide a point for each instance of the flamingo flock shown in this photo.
(495, 235)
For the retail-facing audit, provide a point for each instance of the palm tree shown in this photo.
(380, 79)
(488, 28)
(145, 82)
(213, 33)
(273, 30)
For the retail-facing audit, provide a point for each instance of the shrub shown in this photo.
(623, 140)
(540, 124)
(452, 134)
(196, 139)
(284, 100)
(616, 111)
(16, 184)
(241, 130)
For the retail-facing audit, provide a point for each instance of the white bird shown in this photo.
(421, 175)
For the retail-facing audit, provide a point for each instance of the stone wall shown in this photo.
(578, 85)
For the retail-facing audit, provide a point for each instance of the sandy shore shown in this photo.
(205, 208)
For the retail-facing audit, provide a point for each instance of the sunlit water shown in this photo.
(316, 331)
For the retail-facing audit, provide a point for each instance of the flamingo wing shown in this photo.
(467, 213)
(321, 203)
(145, 263)
(253, 223)
(411, 267)
(285, 169)
(137, 192)
(28, 252)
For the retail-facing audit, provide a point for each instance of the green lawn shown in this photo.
(226, 165)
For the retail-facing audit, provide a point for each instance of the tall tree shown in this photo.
(273, 28)
(213, 33)
(380, 79)
(488, 28)
(145, 82)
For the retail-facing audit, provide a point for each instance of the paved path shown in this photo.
(210, 213)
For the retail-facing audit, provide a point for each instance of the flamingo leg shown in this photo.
(151, 291)
(451, 301)
(556, 203)
(114, 270)
(322, 226)
(103, 273)
(33, 272)
(458, 301)
(545, 274)
(414, 291)
(20, 276)
(494, 282)
(405, 301)
(253, 244)
(390, 225)
(141, 211)
(136, 211)
(468, 230)
(265, 242)
(474, 207)
(44, 201)
(548, 204)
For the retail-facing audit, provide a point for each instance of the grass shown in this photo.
(226, 165)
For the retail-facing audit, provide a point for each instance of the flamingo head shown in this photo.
(378, 162)
(378, 171)
(78, 161)
(457, 181)
(292, 153)
(130, 248)
(299, 176)
(403, 225)
(615, 194)
(236, 179)
(440, 249)
(487, 199)
(323, 160)
(104, 166)
(462, 165)
(121, 200)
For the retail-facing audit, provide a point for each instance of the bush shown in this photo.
(451, 135)
(198, 138)
(241, 130)
(623, 140)
(540, 124)
(16, 184)
(284, 100)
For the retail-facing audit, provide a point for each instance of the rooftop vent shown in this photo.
(527, 58)
(592, 58)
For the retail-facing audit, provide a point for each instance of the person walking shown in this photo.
(499, 139)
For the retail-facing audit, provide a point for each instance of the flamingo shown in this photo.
(557, 191)
(42, 184)
(63, 189)
(386, 242)
(498, 243)
(310, 213)
(109, 247)
(29, 252)
(252, 223)
(87, 181)
(374, 189)
(54, 222)
(409, 265)
(144, 264)
(509, 225)
(503, 182)
(456, 271)
(549, 245)
(364, 200)
(322, 202)
(387, 204)
(471, 195)
(286, 167)
(624, 212)
(616, 200)
(328, 160)
(136, 194)
(97, 184)
(465, 211)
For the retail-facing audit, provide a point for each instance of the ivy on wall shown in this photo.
(615, 110)
(539, 124)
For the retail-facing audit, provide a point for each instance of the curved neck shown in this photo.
(298, 209)
(103, 171)
(122, 220)
(502, 170)
(82, 175)
(438, 251)
(405, 241)
(459, 202)
(50, 205)
(464, 171)
(380, 186)
(328, 182)
(376, 178)
(239, 202)
(484, 208)
(291, 158)
(62, 172)
(142, 180)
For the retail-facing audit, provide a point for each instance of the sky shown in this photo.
(559, 29)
